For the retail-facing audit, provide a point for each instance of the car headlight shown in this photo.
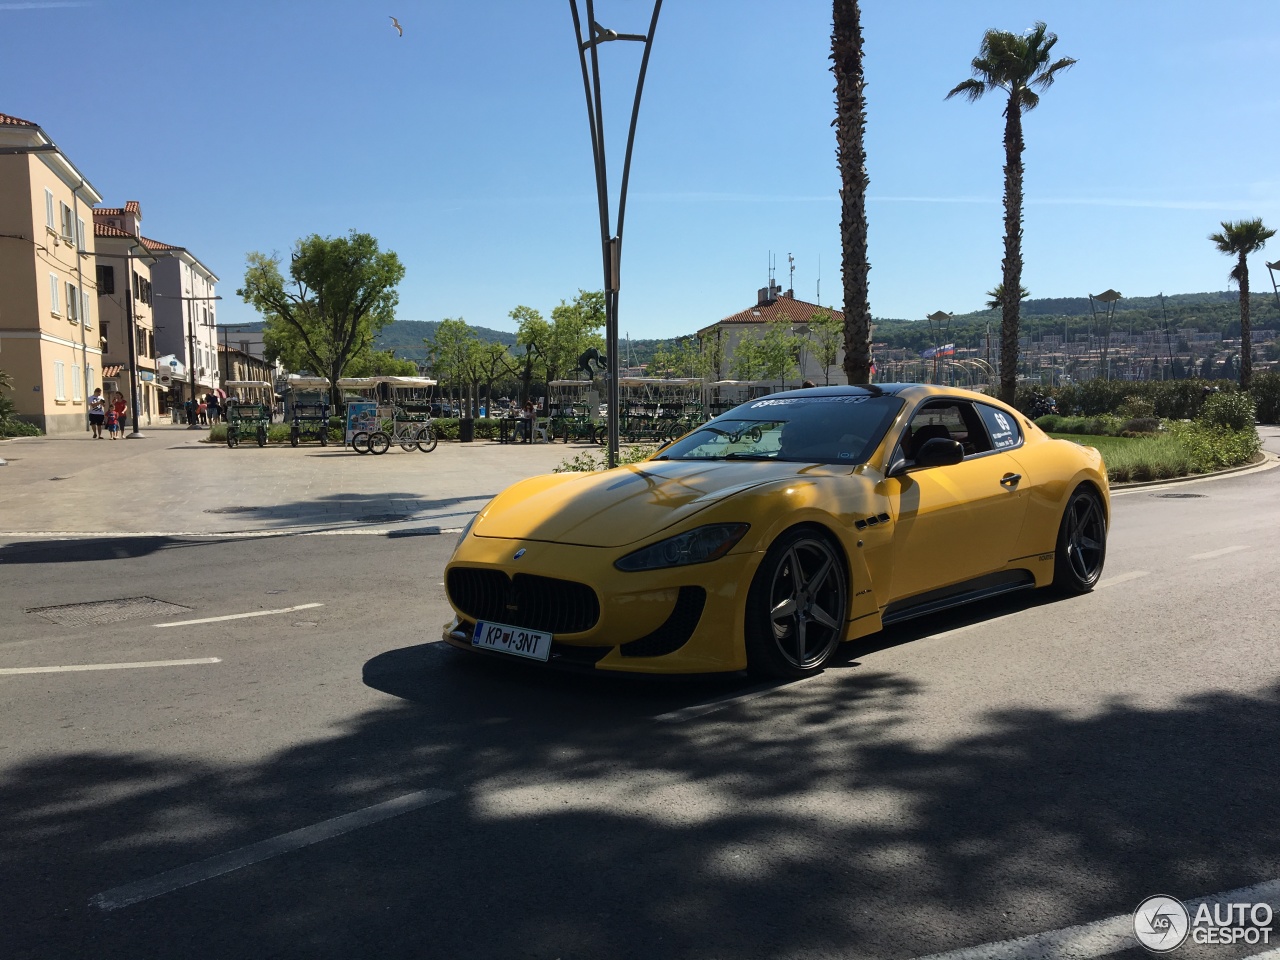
(465, 530)
(693, 546)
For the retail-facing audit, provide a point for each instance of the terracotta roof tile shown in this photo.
(8, 121)
(108, 211)
(106, 230)
(157, 245)
(782, 310)
(131, 206)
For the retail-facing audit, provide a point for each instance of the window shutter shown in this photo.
(84, 308)
(48, 210)
(53, 293)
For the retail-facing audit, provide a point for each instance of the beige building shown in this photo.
(773, 306)
(49, 334)
(123, 280)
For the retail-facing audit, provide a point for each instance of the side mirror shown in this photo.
(939, 453)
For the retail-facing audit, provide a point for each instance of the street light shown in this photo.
(1109, 297)
(939, 322)
(191, 347)
(1272, 268)
(610, 242)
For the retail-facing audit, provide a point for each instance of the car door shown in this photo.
(956, 522)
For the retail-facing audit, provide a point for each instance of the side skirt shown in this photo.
(981, 588)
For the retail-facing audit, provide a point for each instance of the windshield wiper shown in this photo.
(750, 456)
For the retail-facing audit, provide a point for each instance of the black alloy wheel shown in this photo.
(797, 606)
(1082, 543)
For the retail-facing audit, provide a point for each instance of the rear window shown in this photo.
(1003, 427)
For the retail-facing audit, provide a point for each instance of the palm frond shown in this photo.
(1046, 78)
(1238, 272)
(971, 90)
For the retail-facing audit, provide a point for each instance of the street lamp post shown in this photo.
(1109, 297)
(1271, 269)
(191, 345)
(610, 242)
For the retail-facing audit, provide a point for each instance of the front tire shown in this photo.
(1082, 544)
(379, 443)
(360, 442)
(797, 606)
(426, 440)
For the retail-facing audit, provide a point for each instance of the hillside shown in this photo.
(1206, 312)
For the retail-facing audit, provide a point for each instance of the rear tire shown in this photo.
(231, 438)
(426, 440)
(324, 436)
(1082, 544)
(797, 606)
(293, 437)
(360, 442)
(262, 436)
(379, 443)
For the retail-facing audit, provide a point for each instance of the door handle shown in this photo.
(1010, 479)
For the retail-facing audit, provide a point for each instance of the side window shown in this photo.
(948, 419)
(1003, 428)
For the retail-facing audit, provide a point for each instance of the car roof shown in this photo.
(907, 391)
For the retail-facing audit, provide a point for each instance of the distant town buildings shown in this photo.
(74, 296)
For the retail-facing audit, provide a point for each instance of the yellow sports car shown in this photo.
(762, 539)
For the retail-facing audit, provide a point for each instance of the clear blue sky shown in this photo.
(463, 146)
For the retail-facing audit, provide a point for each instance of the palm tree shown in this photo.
(1013, 63)
(996, 296)
(851, 158)
(1239, 239)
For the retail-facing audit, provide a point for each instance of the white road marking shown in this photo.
(362, 531)
(192, 873)
(76, 668)
(240, 616)
(1097, 939)
(1121, 578)
(1216, 553)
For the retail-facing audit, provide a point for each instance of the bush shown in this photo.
(588, 462)
(1135, 408)
(1140, 426)
(1266, 395)
(19, 428)
(1213, 448)
(1228, 411)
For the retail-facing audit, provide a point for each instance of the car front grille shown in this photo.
(526, 600)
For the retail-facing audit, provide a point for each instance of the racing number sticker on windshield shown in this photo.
(1004, 431)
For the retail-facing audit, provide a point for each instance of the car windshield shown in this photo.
(840, 429)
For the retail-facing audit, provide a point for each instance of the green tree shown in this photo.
(828, 337)
(851, 157)
(534, 334)
(748, 358)
(380, 363)
(449, 355)
(341, 291)
(1238, 239)
(778, 348)
(1013, 63)
(574, 330)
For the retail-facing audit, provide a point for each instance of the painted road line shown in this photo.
(192, 873)
(1216, 553)
(1122, 578)
(1097, 939)
(240, 616)
(76, 668)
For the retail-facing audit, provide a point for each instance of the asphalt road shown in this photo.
(962, 780)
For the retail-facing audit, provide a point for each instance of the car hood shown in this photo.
(612, 508)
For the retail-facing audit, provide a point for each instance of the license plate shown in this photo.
(514, 640)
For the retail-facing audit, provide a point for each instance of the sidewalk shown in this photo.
(170, 483)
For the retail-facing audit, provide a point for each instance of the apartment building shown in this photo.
(49, 333)
(125, 298)
(185, 312)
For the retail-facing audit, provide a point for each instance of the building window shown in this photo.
(59, 381)
(48, 210)
(88, 376)
(76, 395)
(53, 295)
(106, 279)
(80, 235)
(85, 316)
(104, 331)
(73, 303)
(68, 223)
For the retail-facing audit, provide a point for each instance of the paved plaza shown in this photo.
(172, 483)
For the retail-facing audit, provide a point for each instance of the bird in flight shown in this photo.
(396, 23)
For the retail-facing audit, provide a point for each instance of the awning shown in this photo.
(112, 371)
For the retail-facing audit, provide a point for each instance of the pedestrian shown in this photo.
(214, 412)
(528, 421)
(97, 412)
(112, 423)
(190, 408)
(807, 384)
(203, 412)
(121, 411)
